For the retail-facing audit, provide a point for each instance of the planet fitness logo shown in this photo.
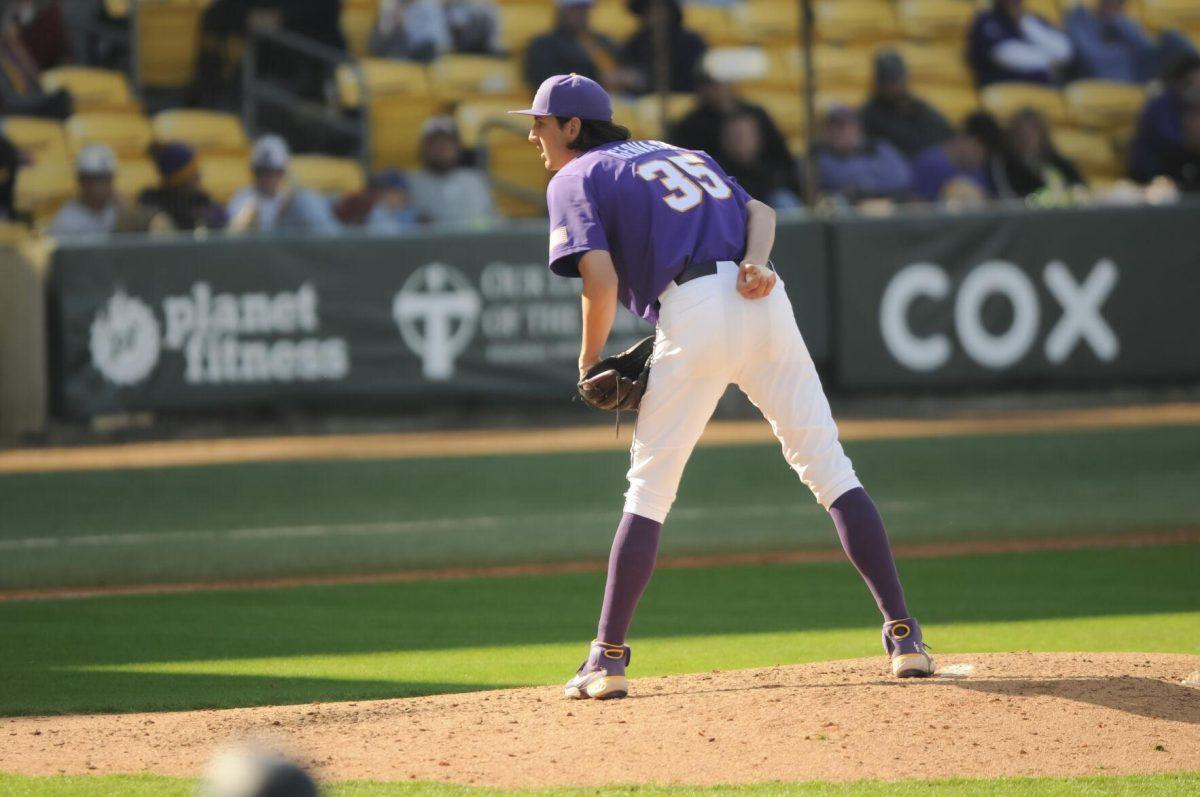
(125, 340)
(436, 311)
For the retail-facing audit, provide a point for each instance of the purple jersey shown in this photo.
(655, 208)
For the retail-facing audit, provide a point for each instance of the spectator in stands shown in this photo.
(43, 31)
(963, 158)
(224, 26)
(572, 47)
(179, 195)
(444, 191)
(685, 49)
(20, 75)
(853, 167)
(1160, 123)
(895, 115)
(1008, 44)
(272, 203)
(98, 210)
(742, 156)
(421, 30)
(383, 207)
(1182, 162)
(1031, 166)
(1111, 45)
(716, 100)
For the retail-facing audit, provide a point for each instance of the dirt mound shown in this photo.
(985, 715)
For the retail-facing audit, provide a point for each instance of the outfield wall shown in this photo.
(932, 302)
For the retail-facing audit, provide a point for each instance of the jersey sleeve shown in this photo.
(575, 226)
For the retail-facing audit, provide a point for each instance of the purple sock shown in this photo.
(630, 564)
(865, 541)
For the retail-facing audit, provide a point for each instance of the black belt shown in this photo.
(695, 271)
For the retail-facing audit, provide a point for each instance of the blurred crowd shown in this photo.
(893, 148)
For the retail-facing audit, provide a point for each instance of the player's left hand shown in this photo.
(754, 281)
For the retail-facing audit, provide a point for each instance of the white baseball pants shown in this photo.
(708, 337)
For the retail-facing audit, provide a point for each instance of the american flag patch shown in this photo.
(558, 237)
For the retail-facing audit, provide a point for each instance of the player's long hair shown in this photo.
(593, 133)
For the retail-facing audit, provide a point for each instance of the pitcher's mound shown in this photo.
(985, 715)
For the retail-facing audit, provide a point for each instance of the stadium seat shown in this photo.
(842, 68)
(1005, 99)
(782, 71)
(134, 175)
(168, 38)
(222, 175)
(521, 23)
(128, 134)
(612, 18)
(648, 121)
(1103, 105)
(358, 20)
(842, 22)
(383, 77)
(1093, 153)
(510, 163)
(212, 132)
(1167, 14)
(784, 107)
(41, 138)
(955, 103)
(396, 129)
(767, 21)
(624, 114)
(456, 77)
(713, 22)
(1051, 10)
(473, 116)
(934, 20)
(93, 89)
(43, 187)
(329, 175)
(935, 64)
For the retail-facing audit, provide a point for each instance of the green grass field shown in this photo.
(344, 642)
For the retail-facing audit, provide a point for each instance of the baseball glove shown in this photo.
(618, 382)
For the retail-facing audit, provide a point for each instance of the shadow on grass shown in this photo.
(51, 644)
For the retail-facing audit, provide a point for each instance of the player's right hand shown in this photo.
(754, 281)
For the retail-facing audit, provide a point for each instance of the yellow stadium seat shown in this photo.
(1093, 153)
(863, 22)
(358, 20)
(713, 22)
(829, 98)
(1051, 10)
(648, 118)
(43, 187)
(41, 138)
(128, 134)
(1167, 14)
(782, 71)
(613, 20)
(223, 175)
(459, 76)
(212, 132)
(92, 89)
(784, 108)
(1103, 105)
(168, 38)
(520, 24)
(954, 102)
(842, 67)
(766, 21)
(13, 233)
(1005, 99)
(327, 174)
(934, 64)
(624, 114)
(396, 129)
(134, 175)
(474, 116)
(383, 77)
(510, 163)
(934, 20)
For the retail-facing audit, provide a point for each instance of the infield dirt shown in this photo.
(984, 716)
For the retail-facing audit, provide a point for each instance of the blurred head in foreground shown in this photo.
(254, 772)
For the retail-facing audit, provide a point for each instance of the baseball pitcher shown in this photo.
(665, 232)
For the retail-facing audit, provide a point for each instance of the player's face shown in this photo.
(551, 139)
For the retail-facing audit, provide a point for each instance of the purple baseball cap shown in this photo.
(571, 95)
